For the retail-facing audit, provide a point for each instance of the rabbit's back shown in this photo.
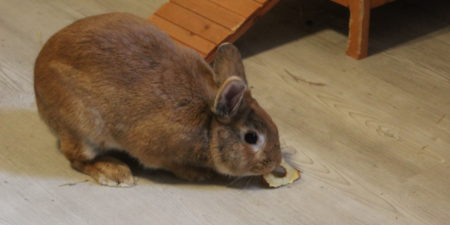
(118, 73)
(98, 41)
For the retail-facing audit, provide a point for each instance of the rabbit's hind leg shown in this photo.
(106, 170)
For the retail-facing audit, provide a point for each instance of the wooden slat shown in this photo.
(186, 45)
(213, 11)
(242, 7)
(193, 22)
(238, 33)
(209, 20)
(250, 21)
(183, 36)
(261, 1)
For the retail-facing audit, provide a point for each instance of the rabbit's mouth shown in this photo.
(265, 167)
(266, 163)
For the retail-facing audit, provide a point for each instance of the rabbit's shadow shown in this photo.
(28, 149)
(166, 177)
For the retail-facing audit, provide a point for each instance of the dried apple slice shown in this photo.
(282, 175)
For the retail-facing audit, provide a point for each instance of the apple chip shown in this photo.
(282, 175)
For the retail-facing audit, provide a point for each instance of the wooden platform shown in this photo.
(205, 24)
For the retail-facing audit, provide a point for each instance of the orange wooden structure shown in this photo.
(358, 37)
(205, 24)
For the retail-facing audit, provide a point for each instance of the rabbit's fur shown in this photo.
(116, 81)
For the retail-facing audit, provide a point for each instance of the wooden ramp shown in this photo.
(205, 24)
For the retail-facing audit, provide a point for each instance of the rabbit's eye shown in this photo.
(251, 138)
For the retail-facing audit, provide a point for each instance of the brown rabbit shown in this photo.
(116, 81)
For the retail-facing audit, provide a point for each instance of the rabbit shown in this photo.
(115, 81)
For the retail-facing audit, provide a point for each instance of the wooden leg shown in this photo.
(359, 28)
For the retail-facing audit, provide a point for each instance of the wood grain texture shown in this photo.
(261, 1)
(184, 36)
(371, 136)
(241, 7)
(211, 20)
(193, 22)
(213, 12)
(249, 22)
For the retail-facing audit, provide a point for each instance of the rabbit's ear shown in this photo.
(229, 98)
(228, 63)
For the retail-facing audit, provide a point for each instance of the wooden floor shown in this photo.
(371, 136)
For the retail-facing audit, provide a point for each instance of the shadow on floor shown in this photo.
(165, 177)
(391, 25)
(29, 149)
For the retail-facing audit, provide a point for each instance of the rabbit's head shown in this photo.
(244, 139)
